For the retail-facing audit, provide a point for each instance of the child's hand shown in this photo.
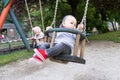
(81, 26)
(49, 27)
(32, 38)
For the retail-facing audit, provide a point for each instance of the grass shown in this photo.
(23, 54)
(14, 56)
(110, 36)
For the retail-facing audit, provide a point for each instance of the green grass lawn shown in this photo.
(23, 54)
(110, 36)
(14, 56)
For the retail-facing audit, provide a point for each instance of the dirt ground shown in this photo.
(102, 63)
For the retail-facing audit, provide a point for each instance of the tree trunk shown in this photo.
(103, 14)
(73, 4)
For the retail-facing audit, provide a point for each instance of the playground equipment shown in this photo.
(7, 9)
(65, 58)
(5, 12)
(75, 57)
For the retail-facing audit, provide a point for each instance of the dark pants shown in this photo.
(56, 49)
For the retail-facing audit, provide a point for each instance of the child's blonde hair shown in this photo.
(63, 20)
(36, 29)
(67, 17)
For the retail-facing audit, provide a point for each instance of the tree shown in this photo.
(73, 4)
(104, 7)
(99, 11)
(108, 9)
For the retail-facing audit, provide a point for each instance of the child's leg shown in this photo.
(44, 46)
(54, 51)
(58, 49)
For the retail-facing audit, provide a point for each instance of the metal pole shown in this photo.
(18, 27)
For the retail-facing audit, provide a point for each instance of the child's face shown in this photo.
(35, 32)
(70, 22)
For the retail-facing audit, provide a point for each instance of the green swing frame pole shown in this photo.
(6, 3)
(12, 15)
(19, 29)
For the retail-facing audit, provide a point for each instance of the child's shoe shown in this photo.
(35, 60)
(41, 54)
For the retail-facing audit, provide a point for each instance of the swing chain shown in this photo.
(41, 15)
(54, 19)
(83, 21)
(29, 15)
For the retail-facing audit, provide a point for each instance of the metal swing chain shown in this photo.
(83, 21)
(54, 19)
(41, 15)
